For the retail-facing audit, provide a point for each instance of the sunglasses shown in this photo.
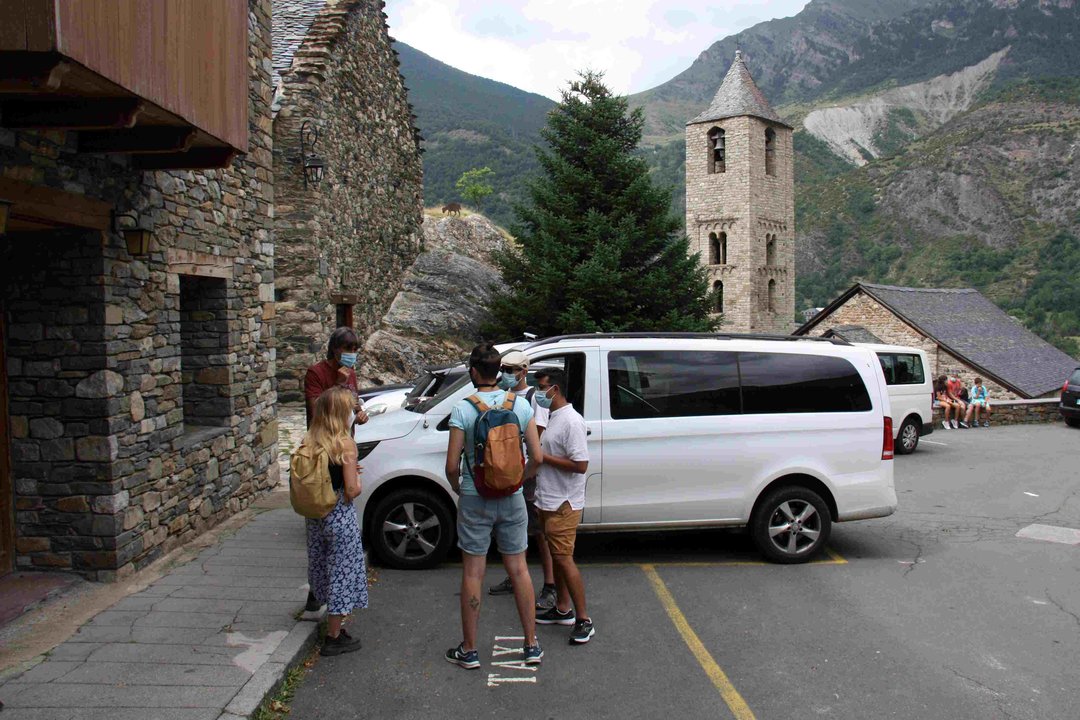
(509, 370)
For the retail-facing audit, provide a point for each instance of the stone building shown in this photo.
(137, 376)
(960, 330)
(740, 205)
(343, 243)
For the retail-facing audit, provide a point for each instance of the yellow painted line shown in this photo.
(836, 559)
(731, 696)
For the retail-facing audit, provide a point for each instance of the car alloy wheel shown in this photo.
(411, 529)
(791, 525)
(909, 437)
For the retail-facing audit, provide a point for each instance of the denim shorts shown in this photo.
(478, 518)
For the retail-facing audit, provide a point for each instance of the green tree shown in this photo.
(598, 248)
(475, 185)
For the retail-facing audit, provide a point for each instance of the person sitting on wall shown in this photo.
(337, 370)
(980, 404)
(954, 387)
(941, 395)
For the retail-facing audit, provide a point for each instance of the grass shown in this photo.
(279, 705)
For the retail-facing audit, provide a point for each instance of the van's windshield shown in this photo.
(449, 383)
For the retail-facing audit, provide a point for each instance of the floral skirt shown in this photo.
(337, 572)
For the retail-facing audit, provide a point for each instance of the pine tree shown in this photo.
(598, 248)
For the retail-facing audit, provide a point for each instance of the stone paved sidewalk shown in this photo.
(207, 641)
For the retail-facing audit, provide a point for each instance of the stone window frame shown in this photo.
(770, 250)
(770, 152)
(200, 265)
(718, 305)
(770, 295)
(718, 248)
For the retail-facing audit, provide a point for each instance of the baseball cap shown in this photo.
(515, 358)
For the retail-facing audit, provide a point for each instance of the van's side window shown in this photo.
(902, 368)
(654, 384)
(574, 365)
(788, 383)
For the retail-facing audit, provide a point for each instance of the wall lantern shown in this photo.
(313, 164)
(5, 210)
(136, 236)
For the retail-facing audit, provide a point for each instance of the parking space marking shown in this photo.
(719, 679)
(931, 442)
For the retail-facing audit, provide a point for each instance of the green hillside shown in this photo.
(469, 121)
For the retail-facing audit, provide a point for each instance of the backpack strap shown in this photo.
(508, 404)
(529, 395)
(480, 405)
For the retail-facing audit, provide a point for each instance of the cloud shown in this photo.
(539, 45)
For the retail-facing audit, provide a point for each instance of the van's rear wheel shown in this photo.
(908, 437)
(411, 529)
(791, 525)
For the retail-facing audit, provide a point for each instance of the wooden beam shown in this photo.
(32, 72)
(55, 207)
(200, 158)
(69, 114)
(138, 140)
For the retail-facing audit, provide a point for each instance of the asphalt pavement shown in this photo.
(939, 611)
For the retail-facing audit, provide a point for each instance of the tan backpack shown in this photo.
(498, 467)
(310, 488)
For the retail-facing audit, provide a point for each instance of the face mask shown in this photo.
(348, 359)
(507, 382)
(543, 400)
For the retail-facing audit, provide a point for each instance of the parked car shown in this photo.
(784, 435)
(911, 393)
(1070, 400)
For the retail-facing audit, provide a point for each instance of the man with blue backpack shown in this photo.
(485, 466)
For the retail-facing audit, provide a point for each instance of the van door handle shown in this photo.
(588, 431)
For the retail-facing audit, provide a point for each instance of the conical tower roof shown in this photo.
(739, 95)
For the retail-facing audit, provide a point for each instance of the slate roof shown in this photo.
(291, 21)
(739, 95)
(854, 333)
(967, 324)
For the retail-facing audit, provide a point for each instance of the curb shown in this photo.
(268, 678)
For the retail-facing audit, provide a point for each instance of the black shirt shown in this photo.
(337, 476)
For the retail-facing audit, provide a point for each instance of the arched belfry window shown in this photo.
(770, 250)
(717, 151)
(718, 288)
(718, 249)
(772, 296)
(770, 151)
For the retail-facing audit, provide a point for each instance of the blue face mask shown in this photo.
(506, 381)
(348, 359)
(542, 399)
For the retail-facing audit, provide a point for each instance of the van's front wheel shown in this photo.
(791, 525)
(908, 437)
(411, 529)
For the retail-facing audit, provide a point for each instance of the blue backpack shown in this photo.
(499, 462)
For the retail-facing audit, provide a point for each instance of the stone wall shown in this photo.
(349, 240)
(111, 466)
(1017, 412)
(748, 205)
(861, 309)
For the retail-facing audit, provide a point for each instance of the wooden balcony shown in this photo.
(164, 81)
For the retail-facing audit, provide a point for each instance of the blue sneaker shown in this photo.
(468, 660)
(534, 653)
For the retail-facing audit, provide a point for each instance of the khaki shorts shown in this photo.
(560, 528)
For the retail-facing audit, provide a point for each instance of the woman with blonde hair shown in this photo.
(336, 570)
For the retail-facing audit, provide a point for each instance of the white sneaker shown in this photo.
(945, 424)
(956, 425)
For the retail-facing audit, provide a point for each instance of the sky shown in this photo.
(539, 45)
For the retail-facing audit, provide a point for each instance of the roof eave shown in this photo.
(713, 118)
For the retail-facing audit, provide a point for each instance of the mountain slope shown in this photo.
(469, 121)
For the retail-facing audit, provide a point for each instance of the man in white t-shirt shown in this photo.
(560, 498)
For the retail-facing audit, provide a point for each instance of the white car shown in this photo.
(911, 393)
(784, 435)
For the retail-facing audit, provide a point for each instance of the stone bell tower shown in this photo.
(740, 205)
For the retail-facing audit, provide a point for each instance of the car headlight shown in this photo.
(364, 449)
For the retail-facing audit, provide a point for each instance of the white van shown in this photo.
(784, 435)
(911, 393)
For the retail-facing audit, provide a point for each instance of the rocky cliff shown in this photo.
(436, 316)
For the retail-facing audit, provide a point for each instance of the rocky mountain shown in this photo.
(436, 317)
(469, 122)
(935, 144)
